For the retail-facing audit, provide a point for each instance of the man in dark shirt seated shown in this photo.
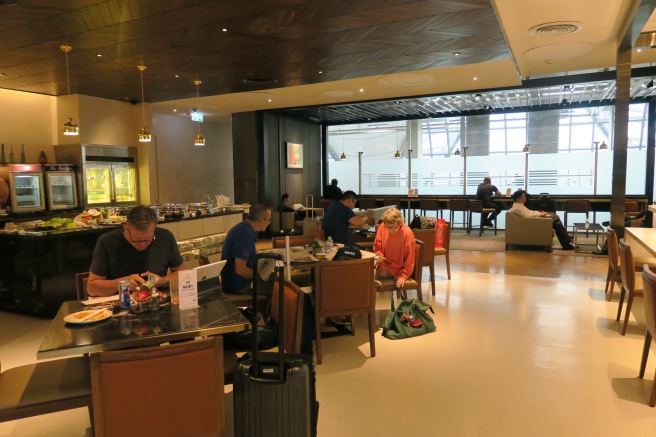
(133, 253)
(340, 216)
(332, 191)
(484, 193)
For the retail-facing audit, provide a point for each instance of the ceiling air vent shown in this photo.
(554, 29)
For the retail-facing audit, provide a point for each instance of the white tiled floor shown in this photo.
(526, 345)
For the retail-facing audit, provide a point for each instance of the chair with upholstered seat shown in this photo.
(81, 280)
(476, 207)
(444, 250)
(649, 289)
(45, 387)
(428, 252)
(631, 283)
(163, 390)
(459, 205)
(412, 283)
(614, 274)
(344, 288)
(292, 314)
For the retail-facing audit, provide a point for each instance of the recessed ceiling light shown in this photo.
(224, 29)
(177, 76)
(320, 72)
(475, 78)
(269, 100)
(456, 54)
(175, 110)
(2, 75)
(361, 90)
(99, 55)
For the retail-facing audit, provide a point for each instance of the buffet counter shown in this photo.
(37, 269)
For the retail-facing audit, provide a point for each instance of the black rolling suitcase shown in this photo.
(274, 393)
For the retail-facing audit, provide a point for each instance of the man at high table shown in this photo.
(134, 253)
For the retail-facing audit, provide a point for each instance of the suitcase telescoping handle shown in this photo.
(281, 316)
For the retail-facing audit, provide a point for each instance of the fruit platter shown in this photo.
(146, 298)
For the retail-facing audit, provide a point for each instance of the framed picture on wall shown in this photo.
(294, 155)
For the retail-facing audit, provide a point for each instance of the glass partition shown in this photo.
(448, 154)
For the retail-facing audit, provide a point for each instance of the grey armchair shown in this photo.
(528, 231)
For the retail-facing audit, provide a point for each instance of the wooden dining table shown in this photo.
(215, 315)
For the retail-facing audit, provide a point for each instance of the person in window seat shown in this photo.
(518, 208)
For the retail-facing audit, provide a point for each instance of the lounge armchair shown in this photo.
(528, 231)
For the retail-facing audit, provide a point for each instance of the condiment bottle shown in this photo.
(22, 158)
(11, 154)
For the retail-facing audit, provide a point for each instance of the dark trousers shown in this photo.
(494, 205)
(561, 232)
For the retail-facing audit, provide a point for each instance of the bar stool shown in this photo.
(577, 206)
(476, 207)
(459, 205)
(426, 205)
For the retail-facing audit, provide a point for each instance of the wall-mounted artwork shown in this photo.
(294, 155)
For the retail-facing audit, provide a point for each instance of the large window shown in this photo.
(564, 155)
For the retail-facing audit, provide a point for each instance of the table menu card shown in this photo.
(187, 290)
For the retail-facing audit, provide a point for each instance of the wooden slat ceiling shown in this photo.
(267, 44)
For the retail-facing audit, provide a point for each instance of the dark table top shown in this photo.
(214, 315)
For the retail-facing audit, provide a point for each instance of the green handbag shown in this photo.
(409, 319)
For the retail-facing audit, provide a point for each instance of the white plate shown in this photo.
(80, 318)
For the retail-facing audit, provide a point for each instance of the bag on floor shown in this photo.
(408, 319)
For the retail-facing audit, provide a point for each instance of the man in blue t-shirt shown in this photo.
(340, 216)
(239, 251)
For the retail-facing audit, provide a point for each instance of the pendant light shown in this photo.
(144, 135)
(397, 155)
(199, 140)
(70, 128)
(603, 146)
(527, 148)
(457, 152)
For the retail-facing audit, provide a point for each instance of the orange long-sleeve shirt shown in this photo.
(398, 248)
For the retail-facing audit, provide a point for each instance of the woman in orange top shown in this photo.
(396, 243)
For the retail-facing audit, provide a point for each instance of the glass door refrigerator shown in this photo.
(61, 188)
(107, 176)
(110, 184)
(26, 188)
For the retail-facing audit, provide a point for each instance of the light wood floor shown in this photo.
(526, 345)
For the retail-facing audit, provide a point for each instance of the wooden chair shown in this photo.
(81, 280)
(426, 205)
(294, 240)
(163, 390)
(614, 274)
(44, 388)
(366, 203)
(293, 314)
(344, 288)
(630, 286)
(318, 234)
(649, 289)
(412, 283)
(428, 252)
(459, 205)
(577, 206)
(444, 250)
(476, 207)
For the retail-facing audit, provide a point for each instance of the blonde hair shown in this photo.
(392, 217)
